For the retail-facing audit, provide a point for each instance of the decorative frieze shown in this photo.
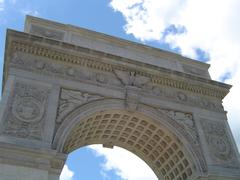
(117, 78)
(26, 111)
(182, 97)
(219, 91)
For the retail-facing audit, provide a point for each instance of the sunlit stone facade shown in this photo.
(66, 87)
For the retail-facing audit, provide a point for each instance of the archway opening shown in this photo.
(150, 140)
(96, 162)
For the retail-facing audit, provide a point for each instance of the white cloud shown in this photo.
(66, 174)
(126, 165)
(30, 12)
(212, 26)
(1, 5)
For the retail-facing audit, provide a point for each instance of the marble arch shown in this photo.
(152, 140)
(66, 87)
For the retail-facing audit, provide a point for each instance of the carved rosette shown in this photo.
(219, 142)
(26, 111)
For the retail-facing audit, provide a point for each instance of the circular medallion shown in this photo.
(27, 109)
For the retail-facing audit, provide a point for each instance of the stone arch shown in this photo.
(146, 132)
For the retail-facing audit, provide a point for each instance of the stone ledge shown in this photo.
(45, 159)
(109, 44)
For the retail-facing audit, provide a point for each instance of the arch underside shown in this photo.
(149, 140)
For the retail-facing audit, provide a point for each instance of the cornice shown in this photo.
(108, 38)
(75, 55)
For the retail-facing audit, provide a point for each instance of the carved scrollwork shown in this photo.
(26, 113)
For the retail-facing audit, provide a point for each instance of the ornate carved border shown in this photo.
(218, 90)
(131, 82)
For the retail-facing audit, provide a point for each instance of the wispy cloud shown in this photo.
(13, 6)
(29, 12)
(66, 174)
(125, 164)
(211, 26)
(1, 5)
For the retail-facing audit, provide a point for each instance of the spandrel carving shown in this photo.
(184, 119)
(70, 99)
(27, 111)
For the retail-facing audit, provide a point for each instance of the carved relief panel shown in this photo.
(26, 111)
(71, 99)
(219, 143)
(185, 120)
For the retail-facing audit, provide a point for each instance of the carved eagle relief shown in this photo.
(70, 99)
(131, 78)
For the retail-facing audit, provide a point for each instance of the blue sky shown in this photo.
(85, 163)
(177, 25)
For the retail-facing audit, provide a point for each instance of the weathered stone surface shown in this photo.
(66, 87)
(26, 110)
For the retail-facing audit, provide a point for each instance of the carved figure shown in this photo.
(70, 99)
